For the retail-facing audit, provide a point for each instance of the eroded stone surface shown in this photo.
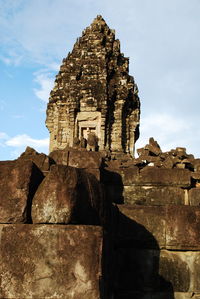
(144, 225)
(50, 261)
(19, 180)
(194, 196)
(153, 195)
(68, 195)
(182, 227)
(165, 177)
(42, 161)
(85, 159)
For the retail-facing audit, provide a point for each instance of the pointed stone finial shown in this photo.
(99, 19)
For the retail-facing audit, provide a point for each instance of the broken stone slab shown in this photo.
(19, 181)
(42, 161)
(50, 261)
(168, 162)
(182, 228)
(181, 152)
(68, 195)
(143, 226)
(153, 147)
(165, 177)
(142, 152)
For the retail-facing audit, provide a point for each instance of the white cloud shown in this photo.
(45, 81)
(25, 140)
(3, 136)
(19, 143)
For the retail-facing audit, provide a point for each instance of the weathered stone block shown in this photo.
(123, 176)
(157, 272)
(84, 159)
(19, 180)
(42, 161)
(50, 261)
(165, 177)
(144, 226)
(67, 195)
(176, 269)
(182, 227)
(60, 156)
(153, 195)
(194, 196)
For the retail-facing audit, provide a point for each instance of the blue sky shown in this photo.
(160, 37)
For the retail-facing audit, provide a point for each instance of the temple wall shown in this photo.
(150, 216)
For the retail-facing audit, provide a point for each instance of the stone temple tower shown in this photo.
(94, 92)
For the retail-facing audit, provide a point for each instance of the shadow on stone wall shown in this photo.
(131, 256)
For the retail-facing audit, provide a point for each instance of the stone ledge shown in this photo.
(50, 261)
(148, 176)
(171, 227)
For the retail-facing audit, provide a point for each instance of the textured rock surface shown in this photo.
(19, 180)
(94, 93)
(182, 228)
(144, 225)
(173, 227)
(85, 159)
(165, 177)
(68, 195)
(42, 161)
(50, 261)
(153, 195)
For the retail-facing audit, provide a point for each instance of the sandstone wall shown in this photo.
(84, 224)
(156, 223)
(50, 234)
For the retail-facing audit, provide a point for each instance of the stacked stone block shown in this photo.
(156, 225)
(50, 234)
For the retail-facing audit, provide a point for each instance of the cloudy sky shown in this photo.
(162, 39)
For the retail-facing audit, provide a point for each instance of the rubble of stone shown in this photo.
(94, 94)
(151, 155)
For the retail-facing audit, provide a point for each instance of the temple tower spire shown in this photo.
(94, 92)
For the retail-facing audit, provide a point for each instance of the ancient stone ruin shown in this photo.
(90, 221)
(94, 93)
